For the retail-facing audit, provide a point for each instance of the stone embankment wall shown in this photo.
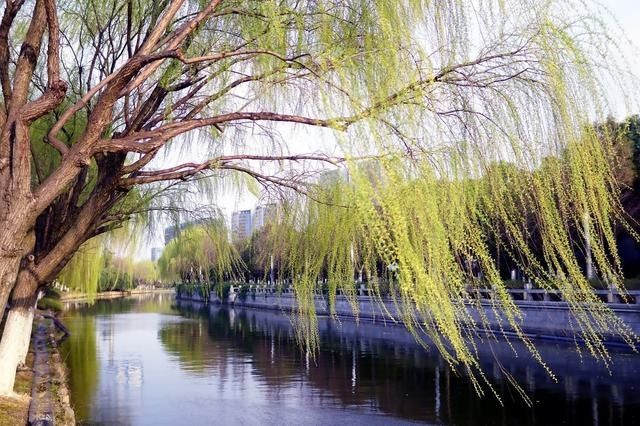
(540, 319)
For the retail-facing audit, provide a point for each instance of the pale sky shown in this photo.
(627, 14)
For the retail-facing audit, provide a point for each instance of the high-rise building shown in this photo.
(156, 252)
(241, 224)
(262, 215)
(170, 232)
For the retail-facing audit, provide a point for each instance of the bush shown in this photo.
(243, 292)
(49, 303)
(53, 293)
(632, 283)
(223, 289)
(514, 283)
(598, 284)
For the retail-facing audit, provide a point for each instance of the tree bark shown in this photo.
(8, 273)
(17, 330)
(16, 238)
(11, 253)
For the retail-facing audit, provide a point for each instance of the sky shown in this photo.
(627, 15)
(626, 18)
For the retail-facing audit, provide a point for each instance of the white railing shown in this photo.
(611, 295)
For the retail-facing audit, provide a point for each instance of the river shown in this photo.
(151, 360)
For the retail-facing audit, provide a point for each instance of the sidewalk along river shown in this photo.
(150, 359)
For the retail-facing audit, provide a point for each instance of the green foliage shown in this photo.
(47, 303)
(514, 284)
(83, 271)
(51, 300)
(222, 289)
(432, 225)
(243, 292)
(94, 269)
(200, 254)
(632, 284)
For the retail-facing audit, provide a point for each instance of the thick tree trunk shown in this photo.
(13, 247)
(16, 336)
(8, 272)
(17, 330)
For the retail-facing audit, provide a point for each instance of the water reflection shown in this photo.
(79, 351)
(157, 363)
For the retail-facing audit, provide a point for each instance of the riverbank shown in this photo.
(41, 393)
(80, 297)
(49, 396)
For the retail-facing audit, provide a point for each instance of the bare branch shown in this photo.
(53, 48)
(187, 170)
(10, 12)
(172, 44)
(160, 27)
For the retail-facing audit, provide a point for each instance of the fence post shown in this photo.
(612, 295)
(525, 294)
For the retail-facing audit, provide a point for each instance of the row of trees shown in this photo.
(266, 249)
(96, 269)
(330, 237)
(125, 274)
(100, 97)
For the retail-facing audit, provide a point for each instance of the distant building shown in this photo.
(241, 224)
(156, 252)
(170, 233)
(262, 215)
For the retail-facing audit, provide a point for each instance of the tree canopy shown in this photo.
(200, 254)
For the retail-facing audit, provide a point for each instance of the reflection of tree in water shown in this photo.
(398, 379)
(185, 340)
(205, 348)
(139, 303)
(79, 351)
(381, 383)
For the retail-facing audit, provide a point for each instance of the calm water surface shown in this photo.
(151, 360)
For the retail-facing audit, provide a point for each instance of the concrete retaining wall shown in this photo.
(541, 319)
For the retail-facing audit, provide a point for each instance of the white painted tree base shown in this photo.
(14, 346)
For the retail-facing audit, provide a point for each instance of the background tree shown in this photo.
(200, 254)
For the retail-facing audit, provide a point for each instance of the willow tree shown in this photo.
(200, 254)
(446, 86)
